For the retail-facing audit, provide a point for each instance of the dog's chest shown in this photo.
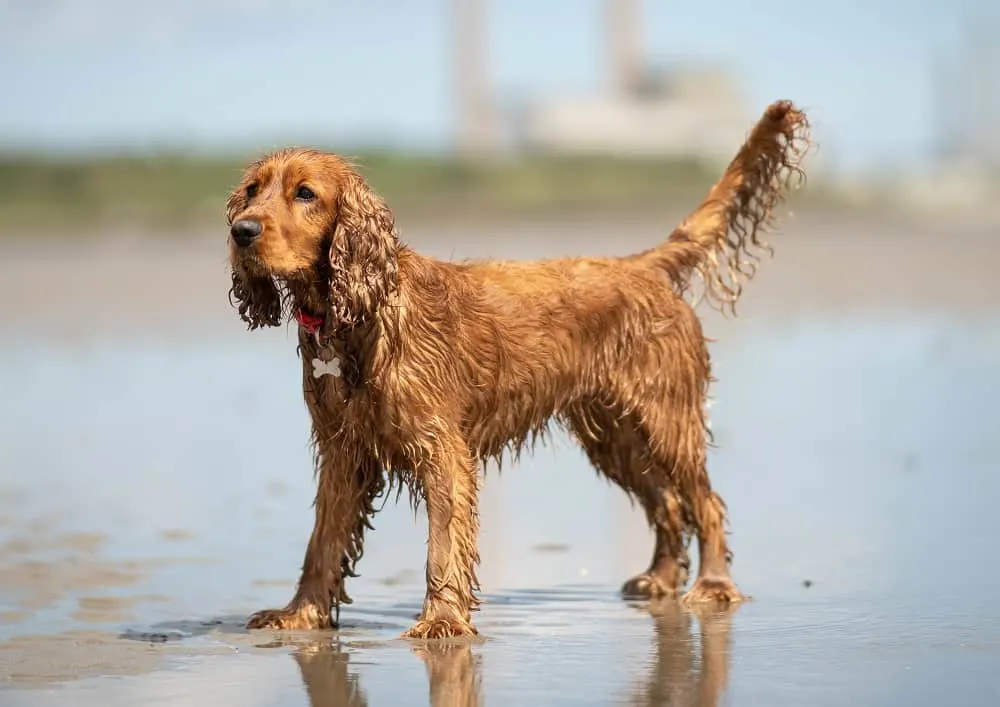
(353, 398)
(341, 383)
(335, 366)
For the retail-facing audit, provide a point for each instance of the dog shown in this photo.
(416, 370)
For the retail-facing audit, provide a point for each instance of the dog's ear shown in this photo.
(363, 253)
(257, 299)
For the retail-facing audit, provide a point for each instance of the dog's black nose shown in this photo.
(245, 231)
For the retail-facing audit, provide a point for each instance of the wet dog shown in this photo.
(415, 371)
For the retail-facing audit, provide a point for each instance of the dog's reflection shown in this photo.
(328, 681)
(683, 671)
(454, 675)
(675, 676)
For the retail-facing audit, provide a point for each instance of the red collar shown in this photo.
(309, 322)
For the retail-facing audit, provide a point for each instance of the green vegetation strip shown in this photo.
(40, 195)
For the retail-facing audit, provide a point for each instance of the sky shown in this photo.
(254, 74)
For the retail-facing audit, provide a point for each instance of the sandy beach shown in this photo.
(155, 488)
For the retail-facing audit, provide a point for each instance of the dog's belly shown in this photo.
(508, 418)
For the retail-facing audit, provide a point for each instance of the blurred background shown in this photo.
(154, 470)
(136, 116)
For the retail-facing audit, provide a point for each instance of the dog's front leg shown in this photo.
(348, 485)
(451, 494)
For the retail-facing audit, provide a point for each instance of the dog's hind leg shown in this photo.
(678, 442)
(617, 448)
(668, 571)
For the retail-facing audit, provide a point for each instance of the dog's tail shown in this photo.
(721, 239)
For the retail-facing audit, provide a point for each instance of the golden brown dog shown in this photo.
(416, 370)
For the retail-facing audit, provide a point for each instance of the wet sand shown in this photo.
(155, 488)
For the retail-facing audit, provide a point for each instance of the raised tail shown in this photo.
(721, 239)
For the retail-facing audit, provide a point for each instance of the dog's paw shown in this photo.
(647, 586)
(441, 628)
(307, 617)
(718, 590)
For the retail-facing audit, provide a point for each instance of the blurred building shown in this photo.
(966, 95)
(964, 169)
(686, 111)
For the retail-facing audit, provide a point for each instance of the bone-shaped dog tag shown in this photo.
(326, 368)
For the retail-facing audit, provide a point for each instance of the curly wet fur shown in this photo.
(446, 365)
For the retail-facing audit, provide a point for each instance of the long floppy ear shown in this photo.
(257, 299)
(363, 253)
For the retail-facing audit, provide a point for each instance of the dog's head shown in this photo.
(306, 223)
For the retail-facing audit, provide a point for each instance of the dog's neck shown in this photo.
(312, 323)
(308, 305)
(356, 344)
(310, 311)
(351, 345)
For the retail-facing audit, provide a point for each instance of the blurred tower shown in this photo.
(475, 130)
(984, 63)
(967, 99)
(946, 101)
(623, 45)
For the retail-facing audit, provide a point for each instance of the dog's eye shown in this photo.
(305, 194)
(251, 191)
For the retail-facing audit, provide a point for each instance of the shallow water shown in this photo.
(152, 495)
